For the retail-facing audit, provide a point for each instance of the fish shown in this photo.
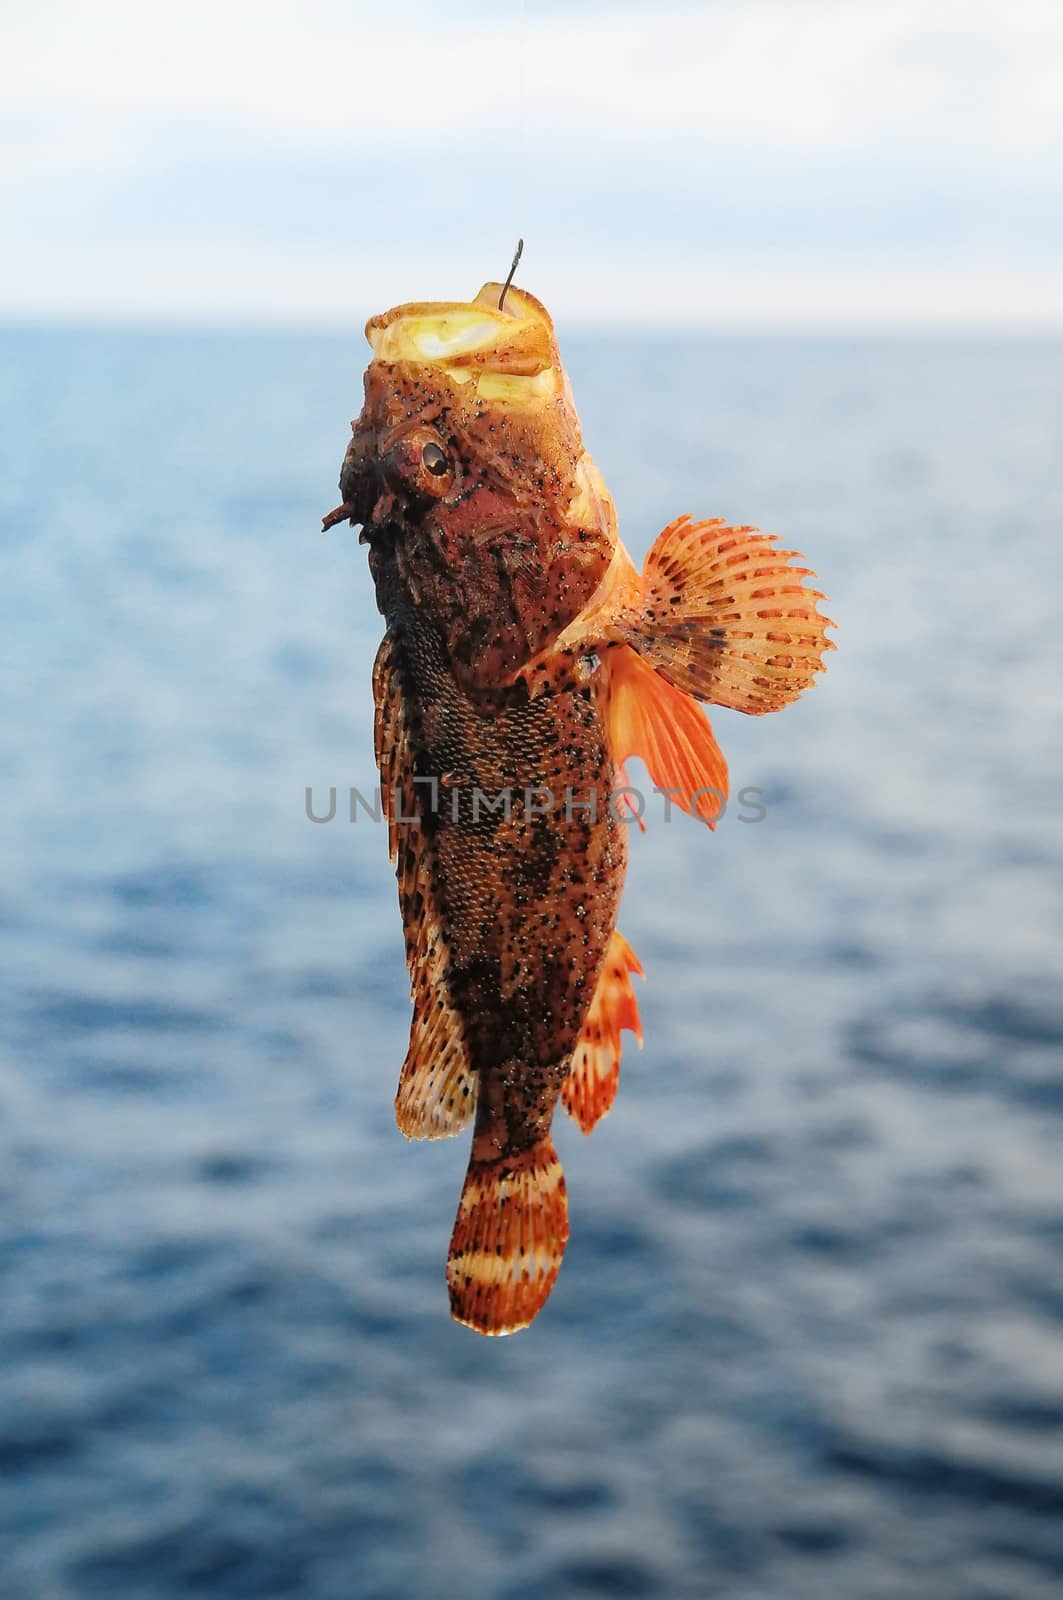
(525, 661)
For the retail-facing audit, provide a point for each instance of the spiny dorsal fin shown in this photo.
(437, 1086)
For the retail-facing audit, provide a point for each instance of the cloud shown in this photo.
(766, 148)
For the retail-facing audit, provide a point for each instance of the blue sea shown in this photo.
(807, 1343)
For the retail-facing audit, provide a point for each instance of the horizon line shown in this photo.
(162, 322)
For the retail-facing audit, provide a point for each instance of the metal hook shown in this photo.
(505, 287)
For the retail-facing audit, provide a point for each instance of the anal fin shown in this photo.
(590, 1088)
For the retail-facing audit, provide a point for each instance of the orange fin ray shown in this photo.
(509, 1237)
(725, 618)
(437, 1086)
(650, 718)
(436, 1096)
(590, 1087)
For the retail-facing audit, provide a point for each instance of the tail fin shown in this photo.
(509, 1237)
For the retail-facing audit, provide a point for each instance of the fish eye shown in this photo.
(418, 462)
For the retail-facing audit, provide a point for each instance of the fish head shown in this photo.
(467, 473)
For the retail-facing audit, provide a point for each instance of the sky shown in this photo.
(734, 164)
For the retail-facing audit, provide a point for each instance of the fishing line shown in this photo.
(521, 163)
(522, 126)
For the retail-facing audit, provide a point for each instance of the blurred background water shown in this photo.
(808, 1338)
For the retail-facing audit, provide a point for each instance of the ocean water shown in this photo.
(808, 1338)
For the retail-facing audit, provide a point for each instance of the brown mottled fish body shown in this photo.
(524, 661)
(522, 899)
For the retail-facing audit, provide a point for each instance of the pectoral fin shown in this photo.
(725, 618)
(669, 731)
